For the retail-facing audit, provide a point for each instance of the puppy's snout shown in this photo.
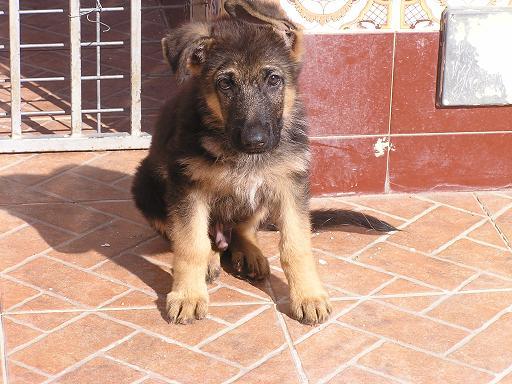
(254, 139)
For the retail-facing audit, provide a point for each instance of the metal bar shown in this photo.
(62, 112)
(98, 71)
(76, 70)
(135, 76)
(102, 43)
(103, 77)
(60, 143)
(14, 42)
(62, 78)
(103, 110)
(36, 11)
(42, 45)
(62, 45)
(103, 9)
(60, 10)
(43, 113)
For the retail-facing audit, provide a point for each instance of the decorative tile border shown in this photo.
(338, 16)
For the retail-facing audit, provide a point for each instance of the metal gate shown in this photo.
(76, 139)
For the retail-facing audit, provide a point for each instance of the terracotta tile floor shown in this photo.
(83, 279)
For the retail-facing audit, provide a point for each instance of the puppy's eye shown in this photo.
(224, 84)
(274, 80)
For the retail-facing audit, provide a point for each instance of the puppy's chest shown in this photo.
(236, 198)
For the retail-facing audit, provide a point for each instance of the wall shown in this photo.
(369, 84)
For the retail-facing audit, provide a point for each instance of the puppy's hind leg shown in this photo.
(213, 271)
(246, 256)
(148, 191)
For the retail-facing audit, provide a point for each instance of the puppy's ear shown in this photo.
(185, 49)
(268, 12)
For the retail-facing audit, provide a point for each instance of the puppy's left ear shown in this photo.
(268, 12)
(185, 49)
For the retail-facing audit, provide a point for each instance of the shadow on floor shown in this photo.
(101, 185)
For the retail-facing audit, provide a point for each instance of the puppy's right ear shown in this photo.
(185, 49)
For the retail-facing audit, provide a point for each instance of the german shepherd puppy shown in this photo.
(231, 151)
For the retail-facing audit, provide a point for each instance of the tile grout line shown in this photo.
(501, 375)
(387, 187)
(384, 237)
(15, 320)
(222, 332)
(379, 269)
(44, 335)
(235, 304)
(88, 358)
(381, 374)
(168, 340)
(361, 207)
(244, 371)
(3, 349)
(297, 362)
(149, 373)
(52, 248)
(30, 368)
(16, 229)
(351, 362)
(244, 292)
(344, 311)
(22, 302)
(18, 162)
(484, 243)
(34, 220)
(100, 182)
(470, 229)
(421, 316)
(459, 264)
(414, 348)
(86, 162)
(501, 234)
(428, 200)
(422, 134)
(451, 294)
(45, 291)
(142, 379)
(478, 330)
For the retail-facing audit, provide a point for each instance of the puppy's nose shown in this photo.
(254, 140)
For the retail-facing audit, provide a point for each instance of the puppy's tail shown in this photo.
(331, 218)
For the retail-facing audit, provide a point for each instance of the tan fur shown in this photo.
(289, 101)
(161, 227)
(189, 297)
(308, 299)
(214, 268)
(214, 106)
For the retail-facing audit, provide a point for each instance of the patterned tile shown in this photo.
(490, 348)
(244, 345)
(246, 337)
(172, 361)
(418, 367)
(407, 328)
(323, 352)
(67, 346)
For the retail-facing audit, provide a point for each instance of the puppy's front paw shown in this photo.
(311, 309)
(184, 308)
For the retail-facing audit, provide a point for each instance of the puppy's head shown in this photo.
(247, 67)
